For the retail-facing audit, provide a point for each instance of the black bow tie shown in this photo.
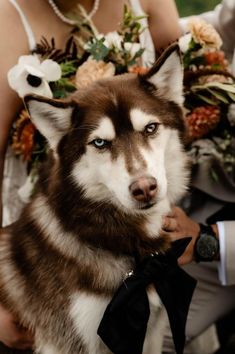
(123, 326)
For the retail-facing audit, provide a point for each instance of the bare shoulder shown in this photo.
(157, 5)
(149, 5)
(13, 39)
(8, 15)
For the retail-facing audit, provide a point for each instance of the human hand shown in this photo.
(178, 225)
(11, 333)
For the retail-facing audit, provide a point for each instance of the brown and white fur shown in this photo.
(117, 163)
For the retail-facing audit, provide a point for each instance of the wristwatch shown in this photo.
(207, 245)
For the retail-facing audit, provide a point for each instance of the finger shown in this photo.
(24, 331)
(23, 338)
(185, 259)
(173, 236)
(24, 345)
(171, 213)
(19, 344)
(169, 224)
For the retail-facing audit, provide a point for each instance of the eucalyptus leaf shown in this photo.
(219, 96)
(214, 175)
(97, 49)
(219, 85)
(231, 95)
(207, 99)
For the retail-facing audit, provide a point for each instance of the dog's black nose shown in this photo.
(144, 189)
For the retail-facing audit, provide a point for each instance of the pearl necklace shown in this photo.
(67, 20)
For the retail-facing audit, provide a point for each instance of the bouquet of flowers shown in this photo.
(209, 101)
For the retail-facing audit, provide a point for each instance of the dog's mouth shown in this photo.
(147, 206)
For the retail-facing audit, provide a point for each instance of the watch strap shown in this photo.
(205, 230)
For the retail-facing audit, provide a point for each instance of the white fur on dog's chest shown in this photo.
(156, 323)
(86, 312)
(154, 300)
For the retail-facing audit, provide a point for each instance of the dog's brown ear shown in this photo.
(167, 75)
(51, 117)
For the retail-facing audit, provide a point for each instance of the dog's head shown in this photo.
(119, 140)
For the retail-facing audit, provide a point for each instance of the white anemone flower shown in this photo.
(132, 48)
(184, 42)
(113, 39)
(32, 76)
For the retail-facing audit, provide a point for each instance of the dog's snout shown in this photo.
(144, 189)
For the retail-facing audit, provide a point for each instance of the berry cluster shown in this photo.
(202, 120)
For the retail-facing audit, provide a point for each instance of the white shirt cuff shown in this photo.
(221, 265)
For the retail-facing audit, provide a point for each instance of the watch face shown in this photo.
(207, 247)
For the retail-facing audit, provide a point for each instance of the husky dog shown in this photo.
(117, 163)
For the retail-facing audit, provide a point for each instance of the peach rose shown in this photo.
(204, 33)
(93, 70)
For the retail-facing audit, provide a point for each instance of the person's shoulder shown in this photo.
(145, 5)
(157, 6)
(7, 12)
(13, 40)
(149, 6)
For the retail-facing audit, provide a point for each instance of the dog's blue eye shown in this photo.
(100, 143)
(151, 128)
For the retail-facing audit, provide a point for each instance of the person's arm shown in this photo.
(163, 21)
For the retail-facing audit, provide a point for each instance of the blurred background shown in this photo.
(194, 7)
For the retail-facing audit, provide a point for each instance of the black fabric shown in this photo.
(225, 213)
(6, 350)
(123, 326)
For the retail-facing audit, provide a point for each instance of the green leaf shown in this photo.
(193, 46)
(214, 175)
(207, 100)
(216, 66)
(231, 95)
(62, 88)
(139, 53)
(69, 68)
(219, 85)
(219, 96)
(59, 93)
(200, 60)
(97, 49)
